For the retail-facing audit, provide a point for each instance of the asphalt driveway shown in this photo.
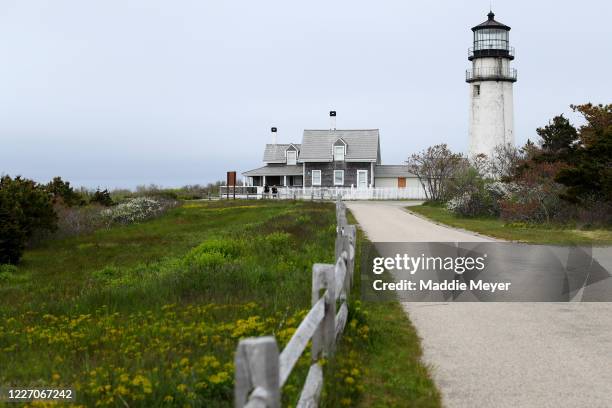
(501, 354)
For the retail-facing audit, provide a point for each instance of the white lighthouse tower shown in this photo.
(491, 79)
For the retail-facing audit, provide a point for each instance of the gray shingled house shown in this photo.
(330, 158)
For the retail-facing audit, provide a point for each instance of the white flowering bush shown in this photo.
(482, 198)
(456, 203)
(500, 190)
(134, 210)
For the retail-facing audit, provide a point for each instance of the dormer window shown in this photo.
(339, 152)
(291, 157)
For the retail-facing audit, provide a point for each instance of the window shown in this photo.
(338, 153)
(491, 38)
(316, 177)
(476, 90)
(338, 177)
(291, 157)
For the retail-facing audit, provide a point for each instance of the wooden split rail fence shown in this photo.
(261, 371)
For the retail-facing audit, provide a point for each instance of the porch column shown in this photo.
(372, 174)
(284, 181)
(264, 181)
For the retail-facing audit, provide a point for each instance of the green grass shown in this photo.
(150, 314)
(395, 375)
(522, 232)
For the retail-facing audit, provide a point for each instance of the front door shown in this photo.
(362, 179)
(401, 182)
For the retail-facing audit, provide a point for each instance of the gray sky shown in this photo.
(118, 93)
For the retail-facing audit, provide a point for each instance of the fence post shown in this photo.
(351, 234)
(323, 340)
(257, 368)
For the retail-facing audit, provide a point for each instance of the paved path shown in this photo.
(502, 354)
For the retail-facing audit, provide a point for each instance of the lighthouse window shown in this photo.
(476, 90)
(491, 39)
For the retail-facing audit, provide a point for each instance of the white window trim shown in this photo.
(366, 177)
(312, 178)
(287, 157)
(343, 152)
(341, 182)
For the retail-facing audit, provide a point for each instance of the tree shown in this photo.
(590, 177)
(505, 161)
(559, 139)
(434, 167)
(61, 190)
(25, 207)
(102, 197)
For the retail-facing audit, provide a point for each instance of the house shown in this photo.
(330, 158)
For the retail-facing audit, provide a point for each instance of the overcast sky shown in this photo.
(116, 93)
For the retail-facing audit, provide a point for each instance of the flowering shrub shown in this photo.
(482, 199)
(135, 210)
(473, 203)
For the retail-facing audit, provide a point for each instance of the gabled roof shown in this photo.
(275, 153)
(392, 170)
(491, 23)
(362, 145)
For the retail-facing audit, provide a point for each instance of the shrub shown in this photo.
(536, 197)
(206, 260)
(214, 253)
(63, 193)
(101, 197)
(12, 237)
(472, 204)
(594, 212)
(135, 210)
(7, 273)
(78, 220)
(480, 199)
(536, 204)
(25, 207)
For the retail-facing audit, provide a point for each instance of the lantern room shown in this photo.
(491, 39)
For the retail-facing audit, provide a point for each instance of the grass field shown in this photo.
(494, 227)
(150, 314)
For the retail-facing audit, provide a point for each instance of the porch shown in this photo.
(275, 176)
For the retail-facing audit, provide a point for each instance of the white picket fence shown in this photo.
(261, 371)
(327, 193)
(352, 193)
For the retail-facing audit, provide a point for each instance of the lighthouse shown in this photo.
(490, 80)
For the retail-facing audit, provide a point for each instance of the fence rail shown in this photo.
(261, 371)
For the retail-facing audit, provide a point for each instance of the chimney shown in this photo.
(332, 120)
(273, 135)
